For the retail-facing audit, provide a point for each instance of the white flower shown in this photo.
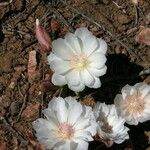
(78, 60)
(134, 103)
(110, 125)
(68, 125)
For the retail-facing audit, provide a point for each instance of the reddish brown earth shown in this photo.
(21, 99)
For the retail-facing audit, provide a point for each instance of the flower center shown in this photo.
(79, 62)
(135, 104)
(65, 131)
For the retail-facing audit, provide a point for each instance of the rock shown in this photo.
(123, 19)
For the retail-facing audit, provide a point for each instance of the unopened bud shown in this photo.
(43, 37)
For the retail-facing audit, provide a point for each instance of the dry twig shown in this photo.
(136, 15)
(22, 108)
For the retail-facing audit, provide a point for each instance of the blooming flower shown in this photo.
(78, 60)
(68, 125)
(42, 37)
(134, 103)
(110, 125)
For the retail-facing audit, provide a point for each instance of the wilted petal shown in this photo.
(110, 125)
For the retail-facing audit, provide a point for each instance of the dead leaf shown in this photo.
(31, 112)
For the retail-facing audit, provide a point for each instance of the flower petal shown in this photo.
(52, 57)
(87, 78)
(58, 80)
(74, 113)
(50, 115)
(61, 49)
(73, 42)
(82, 123)
(83, 135)
(97, 60)
(89, 42)
(77, 88)
(73, 78)
(82, 145)
(60, 66)
(97, 72)
(59, 106)
(82, 33)
(102, 46)
(96, 84)
(89, 45)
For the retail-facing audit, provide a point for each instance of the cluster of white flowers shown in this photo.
(70, 126)
(79, 60)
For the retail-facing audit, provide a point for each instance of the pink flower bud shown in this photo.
(43, 37)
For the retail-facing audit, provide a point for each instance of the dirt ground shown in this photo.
(22, 99)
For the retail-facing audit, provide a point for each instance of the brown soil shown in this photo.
(21, 100)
